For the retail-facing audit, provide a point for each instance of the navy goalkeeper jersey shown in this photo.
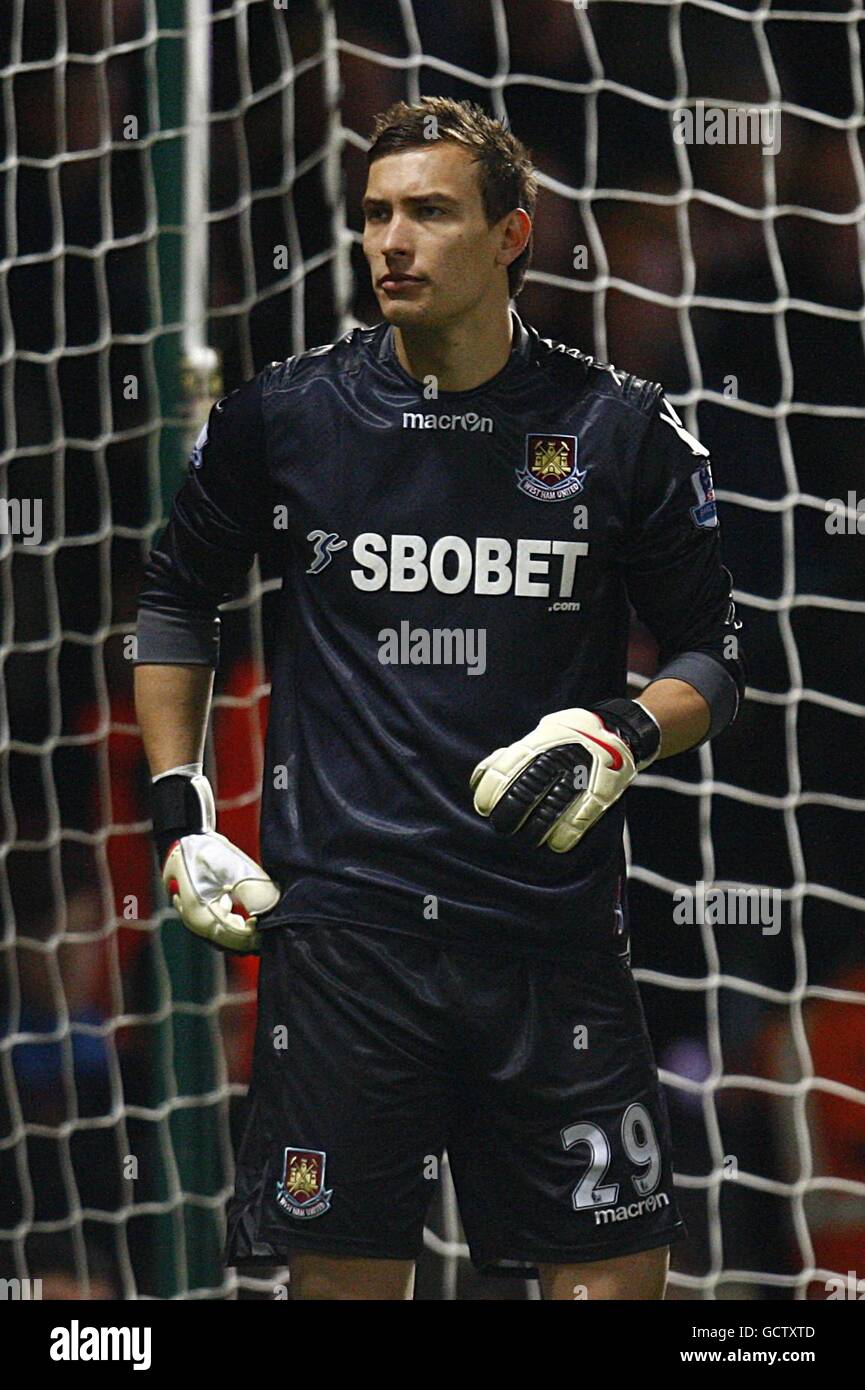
(455, 566)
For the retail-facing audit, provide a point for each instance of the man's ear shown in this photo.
(516, 228)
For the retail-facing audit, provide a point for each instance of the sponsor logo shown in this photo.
(414, 420)
(324, 543)
(550, 472)
(301, 1190)
(452, 565)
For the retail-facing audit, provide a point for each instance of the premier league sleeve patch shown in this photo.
(705, 513)
(301, 1191)
(550, 472)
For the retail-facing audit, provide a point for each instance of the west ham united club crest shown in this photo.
(301, 1190)
(550, 472)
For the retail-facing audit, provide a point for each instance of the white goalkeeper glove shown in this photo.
(550, 787)
(217, 890)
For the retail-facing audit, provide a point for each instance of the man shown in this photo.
(461, 511)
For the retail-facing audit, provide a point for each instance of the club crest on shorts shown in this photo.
(301, 1190)
(550, 472)
(705, 513)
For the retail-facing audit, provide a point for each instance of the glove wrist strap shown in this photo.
(635, 725)
(180, 805)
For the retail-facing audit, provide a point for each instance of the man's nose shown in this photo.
(396, 240)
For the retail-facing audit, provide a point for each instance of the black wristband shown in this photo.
(176, 809)
(632, 724)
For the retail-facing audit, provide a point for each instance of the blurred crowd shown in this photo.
(748, 292)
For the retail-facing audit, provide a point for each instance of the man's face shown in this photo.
(431, 253)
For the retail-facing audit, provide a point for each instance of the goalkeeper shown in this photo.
(461, 512)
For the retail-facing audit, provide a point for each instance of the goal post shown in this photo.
(186, 1068)
(181, 189)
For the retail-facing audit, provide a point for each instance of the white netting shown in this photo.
(732, 275)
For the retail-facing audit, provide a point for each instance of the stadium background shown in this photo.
(124, 1045)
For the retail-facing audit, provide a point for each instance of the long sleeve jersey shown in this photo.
(455, 565)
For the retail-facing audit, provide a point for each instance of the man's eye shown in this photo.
(430, 210)
(376, 215)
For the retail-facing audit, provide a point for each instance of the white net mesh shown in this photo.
(733, 276)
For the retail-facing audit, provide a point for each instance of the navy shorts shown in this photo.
(375, 1052)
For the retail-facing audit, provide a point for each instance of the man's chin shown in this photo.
(412, 314)
(402, 312)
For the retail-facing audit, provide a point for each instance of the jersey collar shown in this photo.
(519, 355)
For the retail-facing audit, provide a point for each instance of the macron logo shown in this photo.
(413, 420)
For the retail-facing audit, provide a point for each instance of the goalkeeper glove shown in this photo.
(550, 787)
(217, 890)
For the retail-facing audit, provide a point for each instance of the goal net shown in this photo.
(181, 185)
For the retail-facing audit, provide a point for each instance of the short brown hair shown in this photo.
(506, 175)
